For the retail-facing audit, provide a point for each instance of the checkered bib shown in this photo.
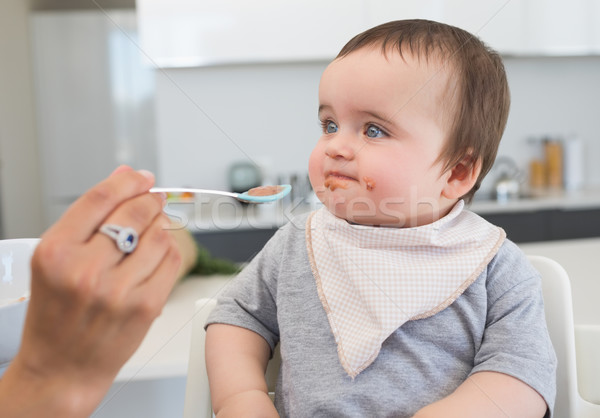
(371, 280)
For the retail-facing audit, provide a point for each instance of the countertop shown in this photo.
(165, 349)
(545, 200)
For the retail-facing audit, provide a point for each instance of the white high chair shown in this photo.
(559, 316)
(558, 304)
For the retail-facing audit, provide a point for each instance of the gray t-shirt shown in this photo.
(497, 324)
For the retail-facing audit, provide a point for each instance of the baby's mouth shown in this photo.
(336, 180)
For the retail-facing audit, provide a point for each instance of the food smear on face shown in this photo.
(369, 182)
(333, 183)
(265, 190)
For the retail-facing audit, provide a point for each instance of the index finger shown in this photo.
(86, 214)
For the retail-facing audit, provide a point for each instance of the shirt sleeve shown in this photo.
(249, 301)
(516, 340)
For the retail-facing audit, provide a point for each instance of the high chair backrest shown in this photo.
(559, 318)
(558, 305)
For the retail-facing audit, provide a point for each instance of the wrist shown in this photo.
(25, 392)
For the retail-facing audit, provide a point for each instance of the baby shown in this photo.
(392, 299)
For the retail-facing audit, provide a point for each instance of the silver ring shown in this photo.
(125, 237)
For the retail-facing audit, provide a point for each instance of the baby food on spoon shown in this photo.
(265, 190)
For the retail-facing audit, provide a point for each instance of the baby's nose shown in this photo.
(340, 146)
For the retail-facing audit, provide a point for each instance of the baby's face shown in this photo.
(384, 126)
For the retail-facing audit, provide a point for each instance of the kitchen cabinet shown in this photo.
(184, 33)
(236, 245)
(554, 215)
(557, 27)
(488, 19)
(548, 225)
(517, 27)
(524, 220)
(181, 33)
(521, 227)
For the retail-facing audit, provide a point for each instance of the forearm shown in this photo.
(236, 360)
(490, 395)
(252, 403)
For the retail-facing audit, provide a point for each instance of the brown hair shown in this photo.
(481, 99)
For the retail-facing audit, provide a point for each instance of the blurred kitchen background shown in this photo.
(223, 94)
(194, 89)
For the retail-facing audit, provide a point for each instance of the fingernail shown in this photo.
(163, 196)
(146, 174)
(121, 169)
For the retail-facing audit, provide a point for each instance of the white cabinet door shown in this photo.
(179, 33)
(500, 23)
(559, 27)
(518, 27)
(182, 33)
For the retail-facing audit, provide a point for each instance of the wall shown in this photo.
(19, 176)
(209, 117)
(554, 96)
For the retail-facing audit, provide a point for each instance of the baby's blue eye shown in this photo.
(374, 132)
(330, 127)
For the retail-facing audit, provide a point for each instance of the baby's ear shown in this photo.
(462, 178)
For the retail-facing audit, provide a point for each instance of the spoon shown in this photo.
(260, 194)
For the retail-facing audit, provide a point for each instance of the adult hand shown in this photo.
(91, 305)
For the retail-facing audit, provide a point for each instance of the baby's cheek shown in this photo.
(315, 169)
(384, 187)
